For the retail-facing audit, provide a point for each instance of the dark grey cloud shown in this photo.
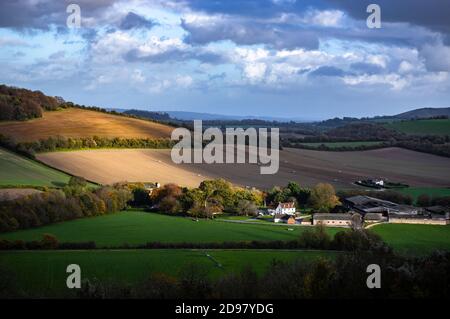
(366, 68)
(176, 55)
(42, 14)
(291, 35)
(434, 14)
(328, 71)
(135, 21)
(254, 8)
(249, 32)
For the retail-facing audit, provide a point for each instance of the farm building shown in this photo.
(332, 219)
(367, 204)
(428, 219)
(287, 219)
(396, 213)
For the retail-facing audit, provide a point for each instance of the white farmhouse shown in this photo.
(285, 209)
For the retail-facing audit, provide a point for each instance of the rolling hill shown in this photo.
(422, 127)
(20, 171)
(76, 123)
(425, 112)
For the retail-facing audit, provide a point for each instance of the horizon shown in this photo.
(292, 59)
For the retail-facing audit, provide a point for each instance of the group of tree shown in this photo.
(425, 200)
(75, 200)
(212, 196)
(52, 144)
(366, 131)
(21, 104)
(217, 196)
(321, 198)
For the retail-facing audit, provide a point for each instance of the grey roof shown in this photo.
(365, 200)
(373, 216)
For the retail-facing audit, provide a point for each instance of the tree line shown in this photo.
(220, 196)
(75, 200)
(212, 196)
(432, 144)
(59, 143)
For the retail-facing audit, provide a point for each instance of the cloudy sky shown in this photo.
(286, 58)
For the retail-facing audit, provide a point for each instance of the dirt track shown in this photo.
(304, 166)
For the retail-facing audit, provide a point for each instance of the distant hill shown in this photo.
(426, 112)
(157, 116)
(190, 116)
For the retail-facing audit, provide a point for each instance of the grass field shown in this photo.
(422, 127)
(344, 144)
(75, 122)
(432, 192)
(135, 227)
(415, 239)
(307, 167)
(43, 273)
(17, 170)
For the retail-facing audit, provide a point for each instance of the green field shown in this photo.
(415, 192)
(422, 127)
(20, 171)
(134, 227)
(344, 144)
(415, 239)
(43, 273)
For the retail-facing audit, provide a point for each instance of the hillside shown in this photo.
(422, 127)
(77, 123)
(426, 112)
(19, 171)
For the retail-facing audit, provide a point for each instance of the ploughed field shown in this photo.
(76, 123)
(307, 167)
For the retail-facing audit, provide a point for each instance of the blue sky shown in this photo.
(285, 58)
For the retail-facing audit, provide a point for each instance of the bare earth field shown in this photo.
(75, 122)
(304, 166)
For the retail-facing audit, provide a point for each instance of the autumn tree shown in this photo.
(323, 197)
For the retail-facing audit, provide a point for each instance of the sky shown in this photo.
(281, 58)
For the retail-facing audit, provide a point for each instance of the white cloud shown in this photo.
(326, 18)
(395, 81)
